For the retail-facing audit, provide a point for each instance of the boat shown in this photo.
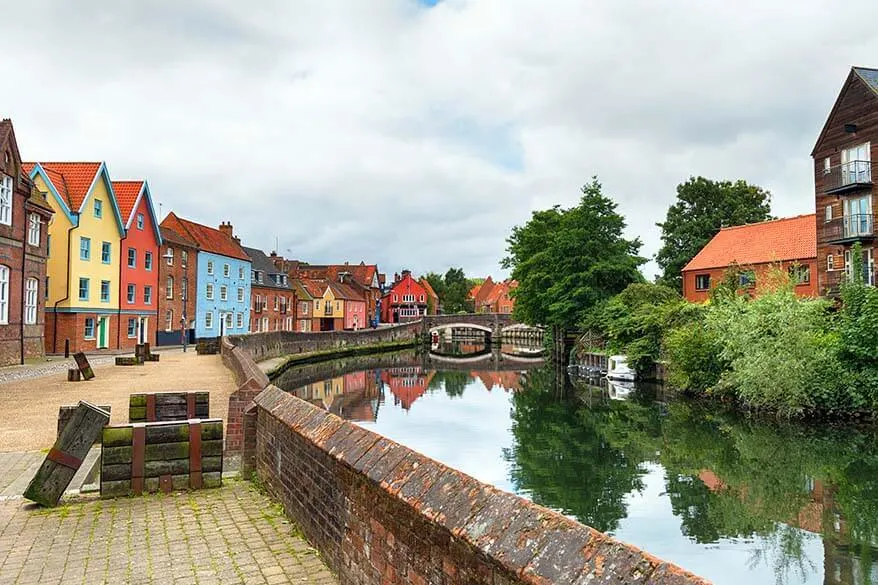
(617, 369)
(620, 390)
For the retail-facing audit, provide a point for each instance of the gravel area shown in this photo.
(31, 371)
(29, 406)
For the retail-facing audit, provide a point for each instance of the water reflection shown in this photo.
(730, 498)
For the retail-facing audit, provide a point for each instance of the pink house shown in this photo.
(354, 306)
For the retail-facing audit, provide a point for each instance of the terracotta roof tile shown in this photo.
(72, 180)
(428, 287)
(789, 238)
(171, 236)
(208, 239)
(126, 196)
(312, 286)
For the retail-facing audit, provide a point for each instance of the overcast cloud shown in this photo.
(416, 136)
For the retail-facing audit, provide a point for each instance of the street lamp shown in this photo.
(184, 322)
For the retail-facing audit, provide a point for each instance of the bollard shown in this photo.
(66, 348)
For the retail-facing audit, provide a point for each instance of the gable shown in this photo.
(41, 176)
(855, 96)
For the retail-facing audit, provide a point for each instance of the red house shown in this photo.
(790, 243)
(24, 218)
(406, 301)
(139, 283)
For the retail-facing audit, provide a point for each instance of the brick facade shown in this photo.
(183, 272)
(694, 294)
(23, 264)
(71, 327)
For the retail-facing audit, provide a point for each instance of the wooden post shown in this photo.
(65, 457)
(74, 375)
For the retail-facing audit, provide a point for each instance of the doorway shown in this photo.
(103, 333)
(144, 330)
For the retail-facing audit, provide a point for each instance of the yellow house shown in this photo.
(83, 270)
(327, 311)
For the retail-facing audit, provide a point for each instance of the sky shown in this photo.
(416, 134)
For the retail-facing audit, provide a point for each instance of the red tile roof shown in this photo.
(313, 287)
(209, 239)
(72, 180)
(126, 196)
(346, 292)
(789, 238)
(361, 273)
(428, 287)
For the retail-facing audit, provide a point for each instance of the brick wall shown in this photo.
(380, 513)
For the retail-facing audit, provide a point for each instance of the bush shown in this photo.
(692, 353)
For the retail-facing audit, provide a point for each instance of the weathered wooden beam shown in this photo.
(83, 365)
(65, 457)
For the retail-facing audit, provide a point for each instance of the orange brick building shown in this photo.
(789, 242)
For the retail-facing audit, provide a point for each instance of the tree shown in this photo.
(703, 207)
(568, 260)
(456, 289)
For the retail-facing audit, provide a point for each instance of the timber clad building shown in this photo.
(844, 180)
(24, 215)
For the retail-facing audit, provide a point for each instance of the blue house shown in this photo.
(222, 302)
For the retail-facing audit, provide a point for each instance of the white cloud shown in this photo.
(417, 137)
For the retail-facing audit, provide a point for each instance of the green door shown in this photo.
(102, 333)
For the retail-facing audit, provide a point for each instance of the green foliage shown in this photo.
(703, 207)
(566, 261)
(452, 290)
(692, 354)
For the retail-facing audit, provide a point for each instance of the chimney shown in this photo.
(406, 273)
(226, 228)
(396, 277)
(273, 254)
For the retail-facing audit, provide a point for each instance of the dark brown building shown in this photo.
(843, 176)
(24, 218)
(178, 275)
(272, 300)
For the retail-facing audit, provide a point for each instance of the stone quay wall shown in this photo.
(383, 514)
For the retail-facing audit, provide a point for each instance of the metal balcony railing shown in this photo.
(834, 279)
(849, 176)
(849, 228)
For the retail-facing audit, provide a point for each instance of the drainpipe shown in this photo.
(67, 282)
(119, 310)
(23, 265)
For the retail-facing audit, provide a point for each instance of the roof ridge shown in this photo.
(775, 220)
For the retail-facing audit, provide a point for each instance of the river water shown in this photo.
(733, 499)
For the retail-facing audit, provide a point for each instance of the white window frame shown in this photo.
(208, 292)
(33, 229)
(228, 319)
(85, 334)
(132, 257)
(169, 288)
(132, 333)
(208, 320)
(210, 267)
(224, 292)
(147, 295)
(140, 221)
(108, 248)
(147, 261)
(84, 249)
(131, 293)
(240, 273)
(240, 320)
(98, 208)
(227, 270)
(828, 213)
(170, 256)
(5, 199)
(4, 294)
(240, 295)
(830, 262)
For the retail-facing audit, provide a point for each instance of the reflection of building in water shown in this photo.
(322, 393)
(821, 516)
(504, 380)
(352, 396)
(407, 384)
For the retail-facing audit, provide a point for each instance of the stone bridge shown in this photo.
(495, 325)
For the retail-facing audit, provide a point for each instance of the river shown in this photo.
(733, 499)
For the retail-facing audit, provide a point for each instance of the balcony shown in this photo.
(833, 280)
(849, 228)
(850, 176)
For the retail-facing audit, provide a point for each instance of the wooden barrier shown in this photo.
(161, 456)
(65, 457)
(83, 365)
(166, 406)
(128, 361)
(65, 413)
(74, 375)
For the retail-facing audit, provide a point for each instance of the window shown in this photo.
(827, 166)
(30, 301)
(856, 164)
(48, 244)
(240, 273)
(395, 298)
(337, 305)
(147, 295)
(208, 320)
(4, 295)
(140, 221)
(169, 288)
(747, 279)
(828, 213)
(276, 303)
(5, 200)
(169, 256)
(702, 281)
(132, 328)
(147, 260)
(227, 270)
(422, 298)
(106, 252)
(240, 295)
(132, 258)
(105, 291)
(99, 208)
(184, 258)
(265, 323)
(84, 248)
(304, 308)
(209, 292)
(169, 320)
(800, 274)
(830, 262)
(33, 229)
(210, 266)
(89, 328)
(46, 288)
(228, 320)
(317, 305)
(224, 293)
(240, 319)
(132, 293)
(184, 288)
(83, 289)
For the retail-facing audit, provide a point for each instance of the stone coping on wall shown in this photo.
(519, 540)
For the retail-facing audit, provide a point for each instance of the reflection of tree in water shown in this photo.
(453, 382)
(727, 476)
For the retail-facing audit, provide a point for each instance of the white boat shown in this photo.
(620, 390)
(617, 369)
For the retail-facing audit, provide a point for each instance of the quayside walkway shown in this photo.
(230, 535)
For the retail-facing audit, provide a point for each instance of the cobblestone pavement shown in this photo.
(230, 535)
(16, 471)
(59, 366)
